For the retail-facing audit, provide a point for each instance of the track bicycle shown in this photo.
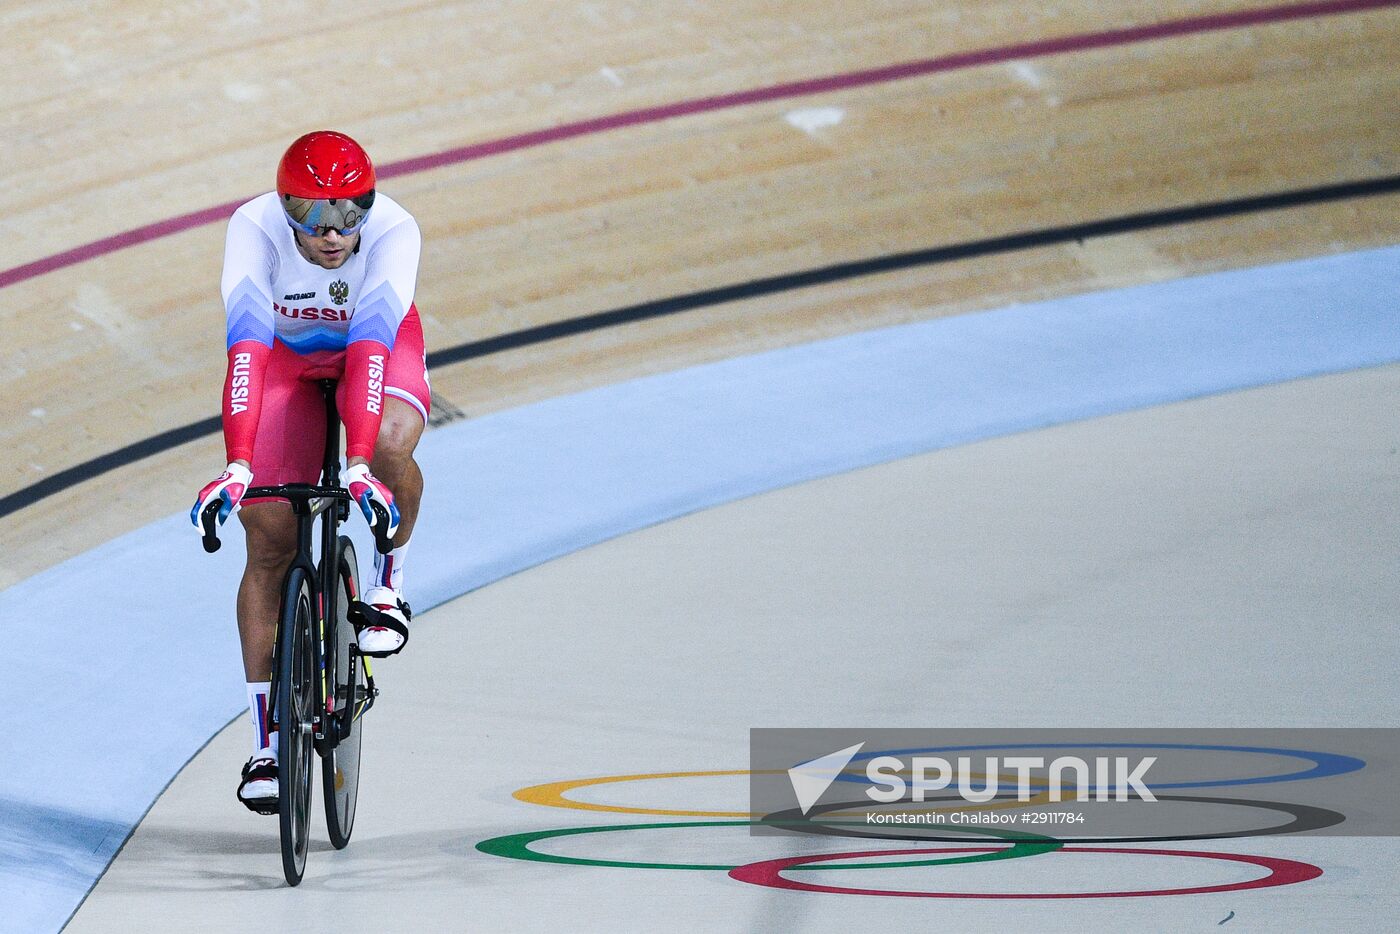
(321, 684)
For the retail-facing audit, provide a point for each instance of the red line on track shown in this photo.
(1057, 46)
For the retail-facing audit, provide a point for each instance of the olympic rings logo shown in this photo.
(1013, 844)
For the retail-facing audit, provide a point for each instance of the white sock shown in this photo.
(388, 569)
(264, 738)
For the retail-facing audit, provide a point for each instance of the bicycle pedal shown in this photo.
(264, 806)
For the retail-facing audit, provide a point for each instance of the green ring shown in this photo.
(517, 846)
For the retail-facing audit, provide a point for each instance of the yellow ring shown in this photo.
(551, 795)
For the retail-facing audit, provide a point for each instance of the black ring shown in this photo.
(1305, 818)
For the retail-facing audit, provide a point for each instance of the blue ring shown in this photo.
(1325, 764)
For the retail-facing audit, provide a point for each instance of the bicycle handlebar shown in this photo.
(208, 525)
(296, 492)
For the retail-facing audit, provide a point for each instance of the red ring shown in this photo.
(1281, 872)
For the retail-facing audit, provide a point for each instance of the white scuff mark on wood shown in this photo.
(811, 119)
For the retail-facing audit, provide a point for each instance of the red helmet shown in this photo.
(326, 180)
(325, 164)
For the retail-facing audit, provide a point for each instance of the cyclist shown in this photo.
(318, 283)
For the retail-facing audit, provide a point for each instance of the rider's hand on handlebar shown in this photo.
(368, 491)
(229, 488)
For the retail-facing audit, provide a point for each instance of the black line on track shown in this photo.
(1051, 236)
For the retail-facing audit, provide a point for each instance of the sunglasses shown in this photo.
(317, 217)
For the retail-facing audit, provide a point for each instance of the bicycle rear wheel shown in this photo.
(296, 693)
(345, 672)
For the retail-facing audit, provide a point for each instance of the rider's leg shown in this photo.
(272, 541)
(393, 461)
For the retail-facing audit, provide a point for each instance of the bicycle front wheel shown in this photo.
(340, 768)
(296, 703)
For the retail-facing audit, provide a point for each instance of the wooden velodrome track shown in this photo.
(121, 116)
